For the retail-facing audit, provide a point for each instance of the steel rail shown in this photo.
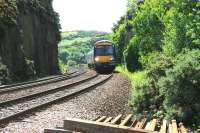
(37, 80)
(57, 99)
(5, 103)
(34, 84)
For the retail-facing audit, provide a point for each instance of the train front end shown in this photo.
(104, 56)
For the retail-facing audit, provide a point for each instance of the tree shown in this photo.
(161, 30)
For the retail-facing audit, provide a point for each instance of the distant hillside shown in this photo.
(75, 45)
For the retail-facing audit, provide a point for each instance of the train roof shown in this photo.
(103, 42)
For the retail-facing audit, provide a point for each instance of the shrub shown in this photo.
(131, 57)
(63, 67)
(156, 64)
(180, 88)
(71, 63)
(142, 97)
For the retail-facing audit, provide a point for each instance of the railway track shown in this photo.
(40, 82)
(31, 92)
(37, 80)
(19, 106)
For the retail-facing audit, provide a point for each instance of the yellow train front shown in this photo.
(104, 56)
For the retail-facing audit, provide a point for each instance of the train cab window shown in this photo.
(104, 50)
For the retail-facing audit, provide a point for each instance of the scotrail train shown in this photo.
(103, 56)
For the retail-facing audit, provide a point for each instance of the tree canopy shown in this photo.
(161, 40)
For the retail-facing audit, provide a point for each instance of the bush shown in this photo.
(71, 63)
(180, 88)
(168, 87)
(63, 67)
(143, 95)
(131, 58)
(156, 64)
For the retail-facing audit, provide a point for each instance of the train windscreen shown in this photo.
(104, 50)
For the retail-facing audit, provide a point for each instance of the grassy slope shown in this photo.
(135, 77)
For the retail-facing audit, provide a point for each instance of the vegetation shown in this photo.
(180, 87)
(75, 45)
(159, 41)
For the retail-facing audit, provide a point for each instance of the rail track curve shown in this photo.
(15, 108)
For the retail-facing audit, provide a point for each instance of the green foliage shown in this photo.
(73, 35)
(148, 28)
(75, 45)
(180, 88)
(119, 41)
(131, 58)
(63, 67)
(122, 31)
(168, 87)
(124, 70)
(144, 97)
(182, 26)
(156, 63)
(140, 94)
(147, 32)
(71, 63)
(158, 33)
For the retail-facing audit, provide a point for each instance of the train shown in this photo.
(103, 57)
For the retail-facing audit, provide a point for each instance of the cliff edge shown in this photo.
(29, 34)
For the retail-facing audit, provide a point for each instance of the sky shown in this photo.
(97, 15)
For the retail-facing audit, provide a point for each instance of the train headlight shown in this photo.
(112, 58)
(96, 59)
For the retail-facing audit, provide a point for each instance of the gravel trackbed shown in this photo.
(109, 99)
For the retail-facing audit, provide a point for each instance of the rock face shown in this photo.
(29, 34)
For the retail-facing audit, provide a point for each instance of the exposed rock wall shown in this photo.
(29, 34)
